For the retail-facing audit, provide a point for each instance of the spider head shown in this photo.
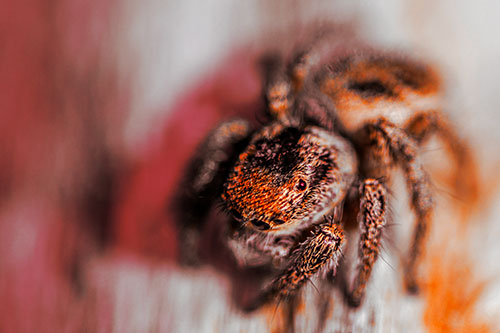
(289, 175)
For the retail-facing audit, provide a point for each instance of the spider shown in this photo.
(339, 123)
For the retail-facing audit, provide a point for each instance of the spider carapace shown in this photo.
(338, 127)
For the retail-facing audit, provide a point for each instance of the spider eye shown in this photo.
(278, 221)
(301, 185)
(260, 224)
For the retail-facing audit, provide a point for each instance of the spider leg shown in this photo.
(321, 251)
(277, 87)
(404, 149)
(325, 44)
(286, 101)
(306, 70)
(203, 182)
(465, 177)
(372, 219)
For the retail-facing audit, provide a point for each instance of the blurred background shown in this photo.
(103, 102)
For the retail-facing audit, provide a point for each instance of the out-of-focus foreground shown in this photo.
(102, 103)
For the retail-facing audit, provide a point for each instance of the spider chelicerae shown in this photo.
(340, 120)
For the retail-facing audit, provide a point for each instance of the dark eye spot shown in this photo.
(370, 88)
(301, 185)
(278, 221)
(260, 225)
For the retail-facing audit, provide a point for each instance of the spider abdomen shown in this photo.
(366, 88)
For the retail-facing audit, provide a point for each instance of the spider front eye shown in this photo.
(301, 185)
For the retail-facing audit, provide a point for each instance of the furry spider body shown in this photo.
(338, 127)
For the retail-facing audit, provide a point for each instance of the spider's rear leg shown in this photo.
(277, 87)
(465, 176)
(324, 44)
(404, 149)
(286, 102)
(372, 219)
(203, 182)
(320, 252)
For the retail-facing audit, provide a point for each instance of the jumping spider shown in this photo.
(339, 124)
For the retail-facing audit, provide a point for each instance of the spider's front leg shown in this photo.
(404, 149)
(320, 252)
(203, 181)
(372, 219)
